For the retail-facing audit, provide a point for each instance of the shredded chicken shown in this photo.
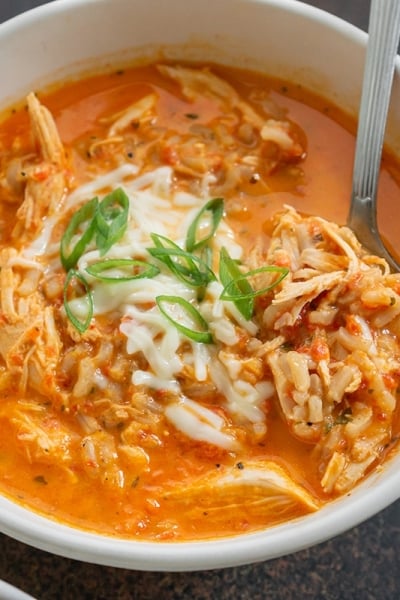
(340, 378)
(45, 175)
(266, 486)
(241, 144)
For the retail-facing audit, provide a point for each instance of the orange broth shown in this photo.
(322, 187)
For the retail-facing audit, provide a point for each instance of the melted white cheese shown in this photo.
(155, 208)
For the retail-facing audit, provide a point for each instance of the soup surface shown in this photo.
(191, 346)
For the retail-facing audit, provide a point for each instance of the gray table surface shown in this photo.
(362, 564)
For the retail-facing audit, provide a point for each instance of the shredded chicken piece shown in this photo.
(264, 487)
(100, 459)
(44, 439)
(134, 113)
(30, 343)
(202, 82)
(46, 180)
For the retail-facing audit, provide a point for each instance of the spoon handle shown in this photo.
(383, 39)
(384, 33)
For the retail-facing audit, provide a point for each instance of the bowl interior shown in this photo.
(281, 37)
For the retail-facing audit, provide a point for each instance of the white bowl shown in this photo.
(285, 38)
(9, 592)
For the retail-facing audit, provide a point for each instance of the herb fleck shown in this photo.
(344, 417)
(286, 346)
(254, 178)
(40, 479)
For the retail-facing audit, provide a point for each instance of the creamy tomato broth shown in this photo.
(191, 347)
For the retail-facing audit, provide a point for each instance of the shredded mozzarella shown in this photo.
(199, 423)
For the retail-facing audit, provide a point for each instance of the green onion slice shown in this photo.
(176, 310)
(206, 256)
(111, 219)
(124, 269)
(241, 293)
(73, 281)
(185, 266)
(83, 222)
(233, 292)
(194, 240)
(205, 263)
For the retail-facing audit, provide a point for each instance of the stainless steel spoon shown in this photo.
(383, 39)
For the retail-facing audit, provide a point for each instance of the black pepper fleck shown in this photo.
(40, 479)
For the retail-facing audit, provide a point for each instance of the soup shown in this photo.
(191, 346)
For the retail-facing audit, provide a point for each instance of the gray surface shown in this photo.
(362, 564)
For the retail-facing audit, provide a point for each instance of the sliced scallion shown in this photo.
(123, 269)
(185, 266)
(241, 290)
(176, 310)
(111, 219)
(194, 240)
(82, 223)
(73, 281)
(233, 292)
(205, 263)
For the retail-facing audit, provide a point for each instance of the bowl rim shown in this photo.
(53, 536)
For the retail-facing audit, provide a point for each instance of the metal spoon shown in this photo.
(384, 33)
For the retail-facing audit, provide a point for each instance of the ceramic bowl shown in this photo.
(284, 38)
